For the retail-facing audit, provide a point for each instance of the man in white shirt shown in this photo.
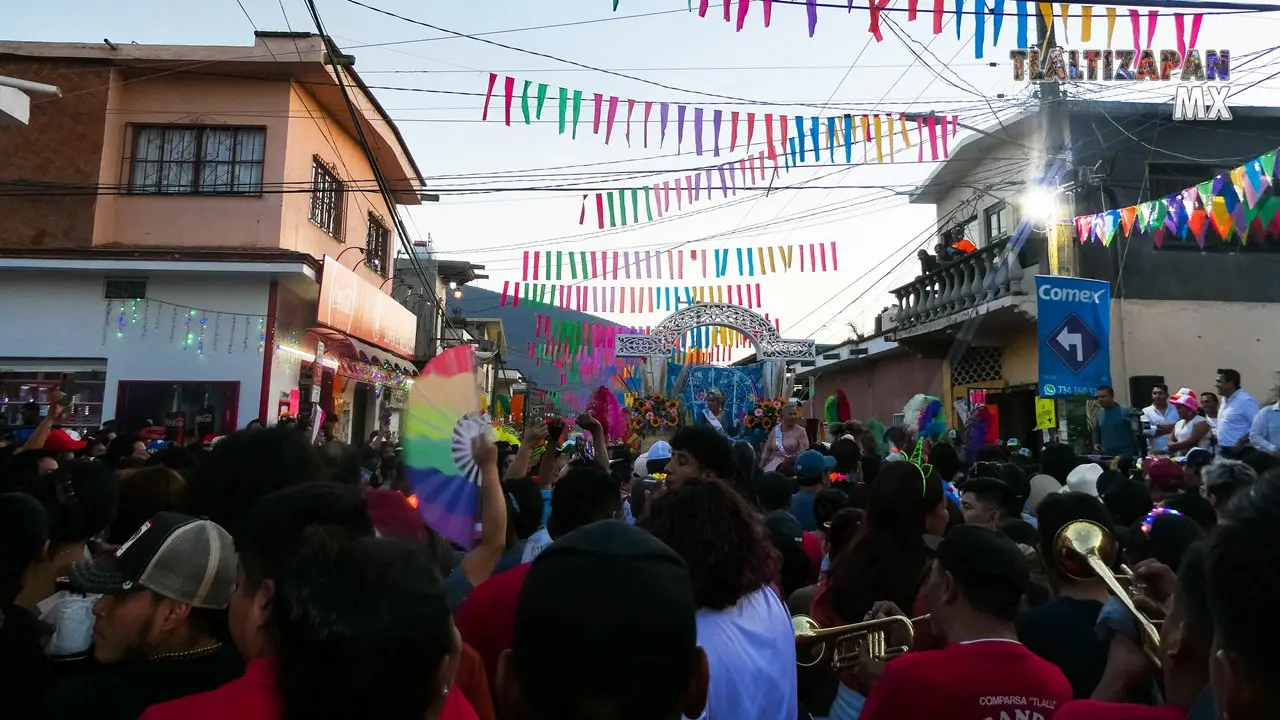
(1265, 433)
(1158, 419)
(1236, 413)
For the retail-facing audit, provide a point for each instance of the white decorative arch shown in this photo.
(769, 344)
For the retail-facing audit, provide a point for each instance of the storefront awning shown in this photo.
(351, 351)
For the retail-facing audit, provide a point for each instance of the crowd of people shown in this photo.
(263, 576)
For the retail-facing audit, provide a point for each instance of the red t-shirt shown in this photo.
(487, 619)
(256, 696)
(988, 679)
(1094, 710)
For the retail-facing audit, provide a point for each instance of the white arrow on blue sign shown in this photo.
(1073, 324)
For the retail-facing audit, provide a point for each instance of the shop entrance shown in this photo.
(190, 410)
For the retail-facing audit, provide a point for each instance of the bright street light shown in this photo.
(1039, 205)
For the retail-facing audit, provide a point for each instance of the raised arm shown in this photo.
(479, 564)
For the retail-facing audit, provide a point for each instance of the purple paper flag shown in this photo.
(679, 127)
(697, 130)
(811, 6)
(663, 124)
(715, 121)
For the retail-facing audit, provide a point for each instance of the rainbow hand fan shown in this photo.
(444, 419)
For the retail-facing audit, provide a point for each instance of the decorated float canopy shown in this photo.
(772, 349)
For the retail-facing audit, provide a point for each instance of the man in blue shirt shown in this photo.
(1114, 433)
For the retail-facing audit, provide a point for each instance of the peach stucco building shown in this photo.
(185, 224)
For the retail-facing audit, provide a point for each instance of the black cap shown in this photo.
(784, 527)
(177, 556)
(977, 555)
(604, 606)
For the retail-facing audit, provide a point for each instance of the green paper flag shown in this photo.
(635, 204)
(1270, 205)
(547, 275)
(1206, 193)
(577, 111)
(612, 221)
(559, 264)
(1269, 165)
(622, 206)
(573, 266)
(1157, 217)
(564, 105)
(648, 208)
(524, 100)
(542, 100)
(1144, 215)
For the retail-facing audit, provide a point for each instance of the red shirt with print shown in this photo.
(256, 696)
(982, 680)
(1095, 710)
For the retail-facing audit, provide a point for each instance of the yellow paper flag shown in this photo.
(1111, 24)
(1086, 28)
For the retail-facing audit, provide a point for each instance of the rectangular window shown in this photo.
(1000, 222)
(197, 160)
(376, 245)
(124, 289)
(326, 198)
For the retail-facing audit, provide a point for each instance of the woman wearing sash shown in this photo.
(787, 439)
(715, 416)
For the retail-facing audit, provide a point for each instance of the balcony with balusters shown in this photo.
(993, 281)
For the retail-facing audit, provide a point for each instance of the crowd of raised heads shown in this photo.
(266, 576)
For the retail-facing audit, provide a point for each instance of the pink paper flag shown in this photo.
(688, 189)
(833, 256)
(733, 131)
(631, 106)
(657, 199)
(931, 121)
(509, 88)
(768, 12)
(704, 252)
(593, 265)
(536, 256)
(505, 287)
(1136, 23)
(525, 276)
(615, 264)
(822, 254)
(582, 214)
(1195, 30)
(595, 123)
(1152, 17)
(742, 13)
(678, 206)
(671, 265)
(680, 265)
(599, 209)
(726, 4)
(488, 95)
(813, 259)
(613, 113)
(946, 152)
(758, 303)
(515, 295)
(626, 263)
(647, 107)
(1180, 29)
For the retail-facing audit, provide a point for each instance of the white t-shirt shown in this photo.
(1153, 416)
(536, 543)
(1183, 430)
(751, 651)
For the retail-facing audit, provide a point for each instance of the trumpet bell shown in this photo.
(807, 654)
(1079, 540)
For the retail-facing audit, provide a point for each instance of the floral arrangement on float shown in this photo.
(764, 416)
(650, 417)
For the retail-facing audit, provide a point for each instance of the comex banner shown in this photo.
(1073, 323)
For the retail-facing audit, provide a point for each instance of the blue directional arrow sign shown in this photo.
(1073, 322)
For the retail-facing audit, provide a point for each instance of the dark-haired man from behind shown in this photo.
(605, 630)
(976, 587)
(699, 451)
(159, 630)
(985, 501)
(1186, 639)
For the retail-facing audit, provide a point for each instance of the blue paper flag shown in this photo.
(848, 138)
(997, 20)
(1022, 23)
(800, 137)
(979, 27)
(959, 16)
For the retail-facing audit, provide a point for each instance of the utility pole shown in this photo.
(1056, 128)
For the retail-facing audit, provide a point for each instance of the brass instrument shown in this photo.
(871, 636)
(1084, 550)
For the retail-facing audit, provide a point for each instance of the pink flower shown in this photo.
(777, 404)
(648, 416)
(759, 412)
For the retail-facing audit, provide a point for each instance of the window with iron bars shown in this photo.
(326, 198)
(376, 245)
(197, 159)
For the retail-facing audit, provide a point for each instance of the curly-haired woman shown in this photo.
(887, 560)
(743, 627)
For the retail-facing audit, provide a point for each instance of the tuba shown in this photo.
(1084, 550)
(871, 637)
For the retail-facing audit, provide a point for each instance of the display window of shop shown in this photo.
(190, 411)
(25, 396)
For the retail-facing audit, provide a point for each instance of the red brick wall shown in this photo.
(880, 388)
(62, 145)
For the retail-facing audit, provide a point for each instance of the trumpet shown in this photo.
(1084, 550)
(872, 639)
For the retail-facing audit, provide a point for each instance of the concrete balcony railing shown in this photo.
(983, 276)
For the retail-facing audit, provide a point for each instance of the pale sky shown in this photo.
(841, 69)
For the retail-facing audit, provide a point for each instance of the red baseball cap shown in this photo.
(1165, 474)
(60, 440)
